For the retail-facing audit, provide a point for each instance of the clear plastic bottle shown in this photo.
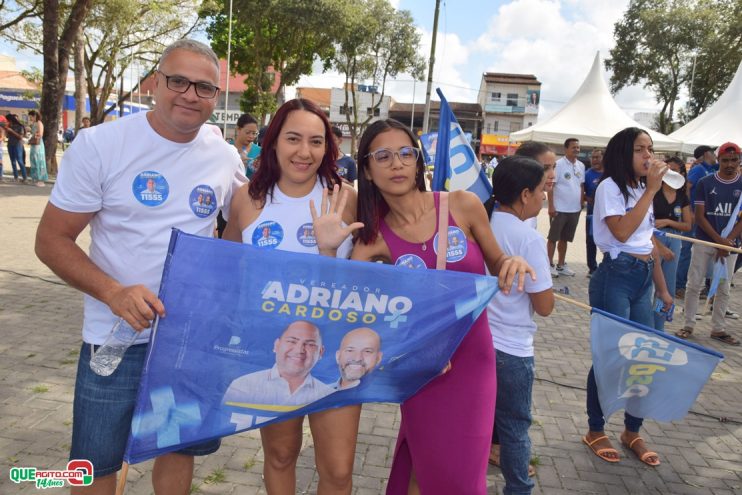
(108, 356)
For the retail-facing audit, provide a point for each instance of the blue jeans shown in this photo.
(622, 287)
(17, 156)
(512, 420)
(592, 249)
(102, 410)
(669, 270)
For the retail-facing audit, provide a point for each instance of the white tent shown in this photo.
(718, 124)
(592, 116)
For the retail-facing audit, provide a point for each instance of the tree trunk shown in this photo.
(56, 64)
(79, 79)
(49, 86)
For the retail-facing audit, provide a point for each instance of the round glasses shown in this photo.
(383, 157)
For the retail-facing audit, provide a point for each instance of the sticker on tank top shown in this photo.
(268, 234)
(202, 201)
(410, 261)
(305, 235)
(456, 245)
(150, 188)
(677, 212)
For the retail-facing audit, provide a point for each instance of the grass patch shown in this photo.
(40, 389)
(30, 355)
(195, 488)
(535, 422)
(249, 464)
(67, 361)
(74, 352)
(216, 476)
(535, 461)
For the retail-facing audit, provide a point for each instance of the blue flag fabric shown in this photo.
(220, 362)
(456, 166)
(648, 373)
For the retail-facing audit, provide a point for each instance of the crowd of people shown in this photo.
(478, 409)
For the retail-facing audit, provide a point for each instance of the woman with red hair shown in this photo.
(296, 163)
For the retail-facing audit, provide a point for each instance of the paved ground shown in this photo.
(40, 327)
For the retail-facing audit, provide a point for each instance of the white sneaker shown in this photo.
(554, 272)
(732, 315)
(564, 270)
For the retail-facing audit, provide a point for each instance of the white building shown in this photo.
(509, 103)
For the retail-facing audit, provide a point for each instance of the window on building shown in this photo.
(496, 96)
(496, 126)
(373, 111)
(488, 128)
(512, 100)
(346, 110)
(515, 126)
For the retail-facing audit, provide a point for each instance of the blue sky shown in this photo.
(556, 40)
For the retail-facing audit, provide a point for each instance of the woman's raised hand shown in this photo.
(657, 170)
(329, 229)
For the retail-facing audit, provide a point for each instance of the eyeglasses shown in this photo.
(180, 84)
(383, 157)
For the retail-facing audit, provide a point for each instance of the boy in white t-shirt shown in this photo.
(518, 186)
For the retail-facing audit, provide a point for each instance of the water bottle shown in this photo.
(108, 356)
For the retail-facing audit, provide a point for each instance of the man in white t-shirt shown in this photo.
(132, 181)
(565, 204)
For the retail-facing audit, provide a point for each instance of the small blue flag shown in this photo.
(456, 166)
(648, 373)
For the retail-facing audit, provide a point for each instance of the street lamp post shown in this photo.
(430, 67)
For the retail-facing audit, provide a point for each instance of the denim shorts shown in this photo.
(102, 412)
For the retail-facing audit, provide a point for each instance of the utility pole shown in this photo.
(430, 67)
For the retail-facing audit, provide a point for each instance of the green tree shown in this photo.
(655, 45)
(15, 12)
(376, 42)
(269, 37)
(119, 33)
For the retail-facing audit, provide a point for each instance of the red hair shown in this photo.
(269, 171)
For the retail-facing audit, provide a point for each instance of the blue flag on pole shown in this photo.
(650, 374)
(254, 336)
(456, 166)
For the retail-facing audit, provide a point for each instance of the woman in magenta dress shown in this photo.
(446, 429)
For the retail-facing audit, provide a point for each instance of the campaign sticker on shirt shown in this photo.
(150, 188)
(677, 212)
(456, 245)
(202, 200)
(410, 261)
(305, 235)
(268, 234)
(567, 175)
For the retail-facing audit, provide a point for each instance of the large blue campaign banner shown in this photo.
(253, 336)
(456, 166)
(650, 374)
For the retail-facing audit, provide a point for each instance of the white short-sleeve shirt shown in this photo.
(568, 187)
(610, 202)
(140, 186)
(510, 316)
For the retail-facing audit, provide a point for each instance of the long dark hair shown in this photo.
(618, 160)
(532, 149)
(269, 171)
(371, 204)
(510, 177)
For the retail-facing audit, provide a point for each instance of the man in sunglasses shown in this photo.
(133, 180)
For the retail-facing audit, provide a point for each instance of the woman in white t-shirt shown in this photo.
(518, 185)
(623, 224)
(272, 211)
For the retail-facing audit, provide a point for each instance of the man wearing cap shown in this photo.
(706, 165)
(717, 202)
